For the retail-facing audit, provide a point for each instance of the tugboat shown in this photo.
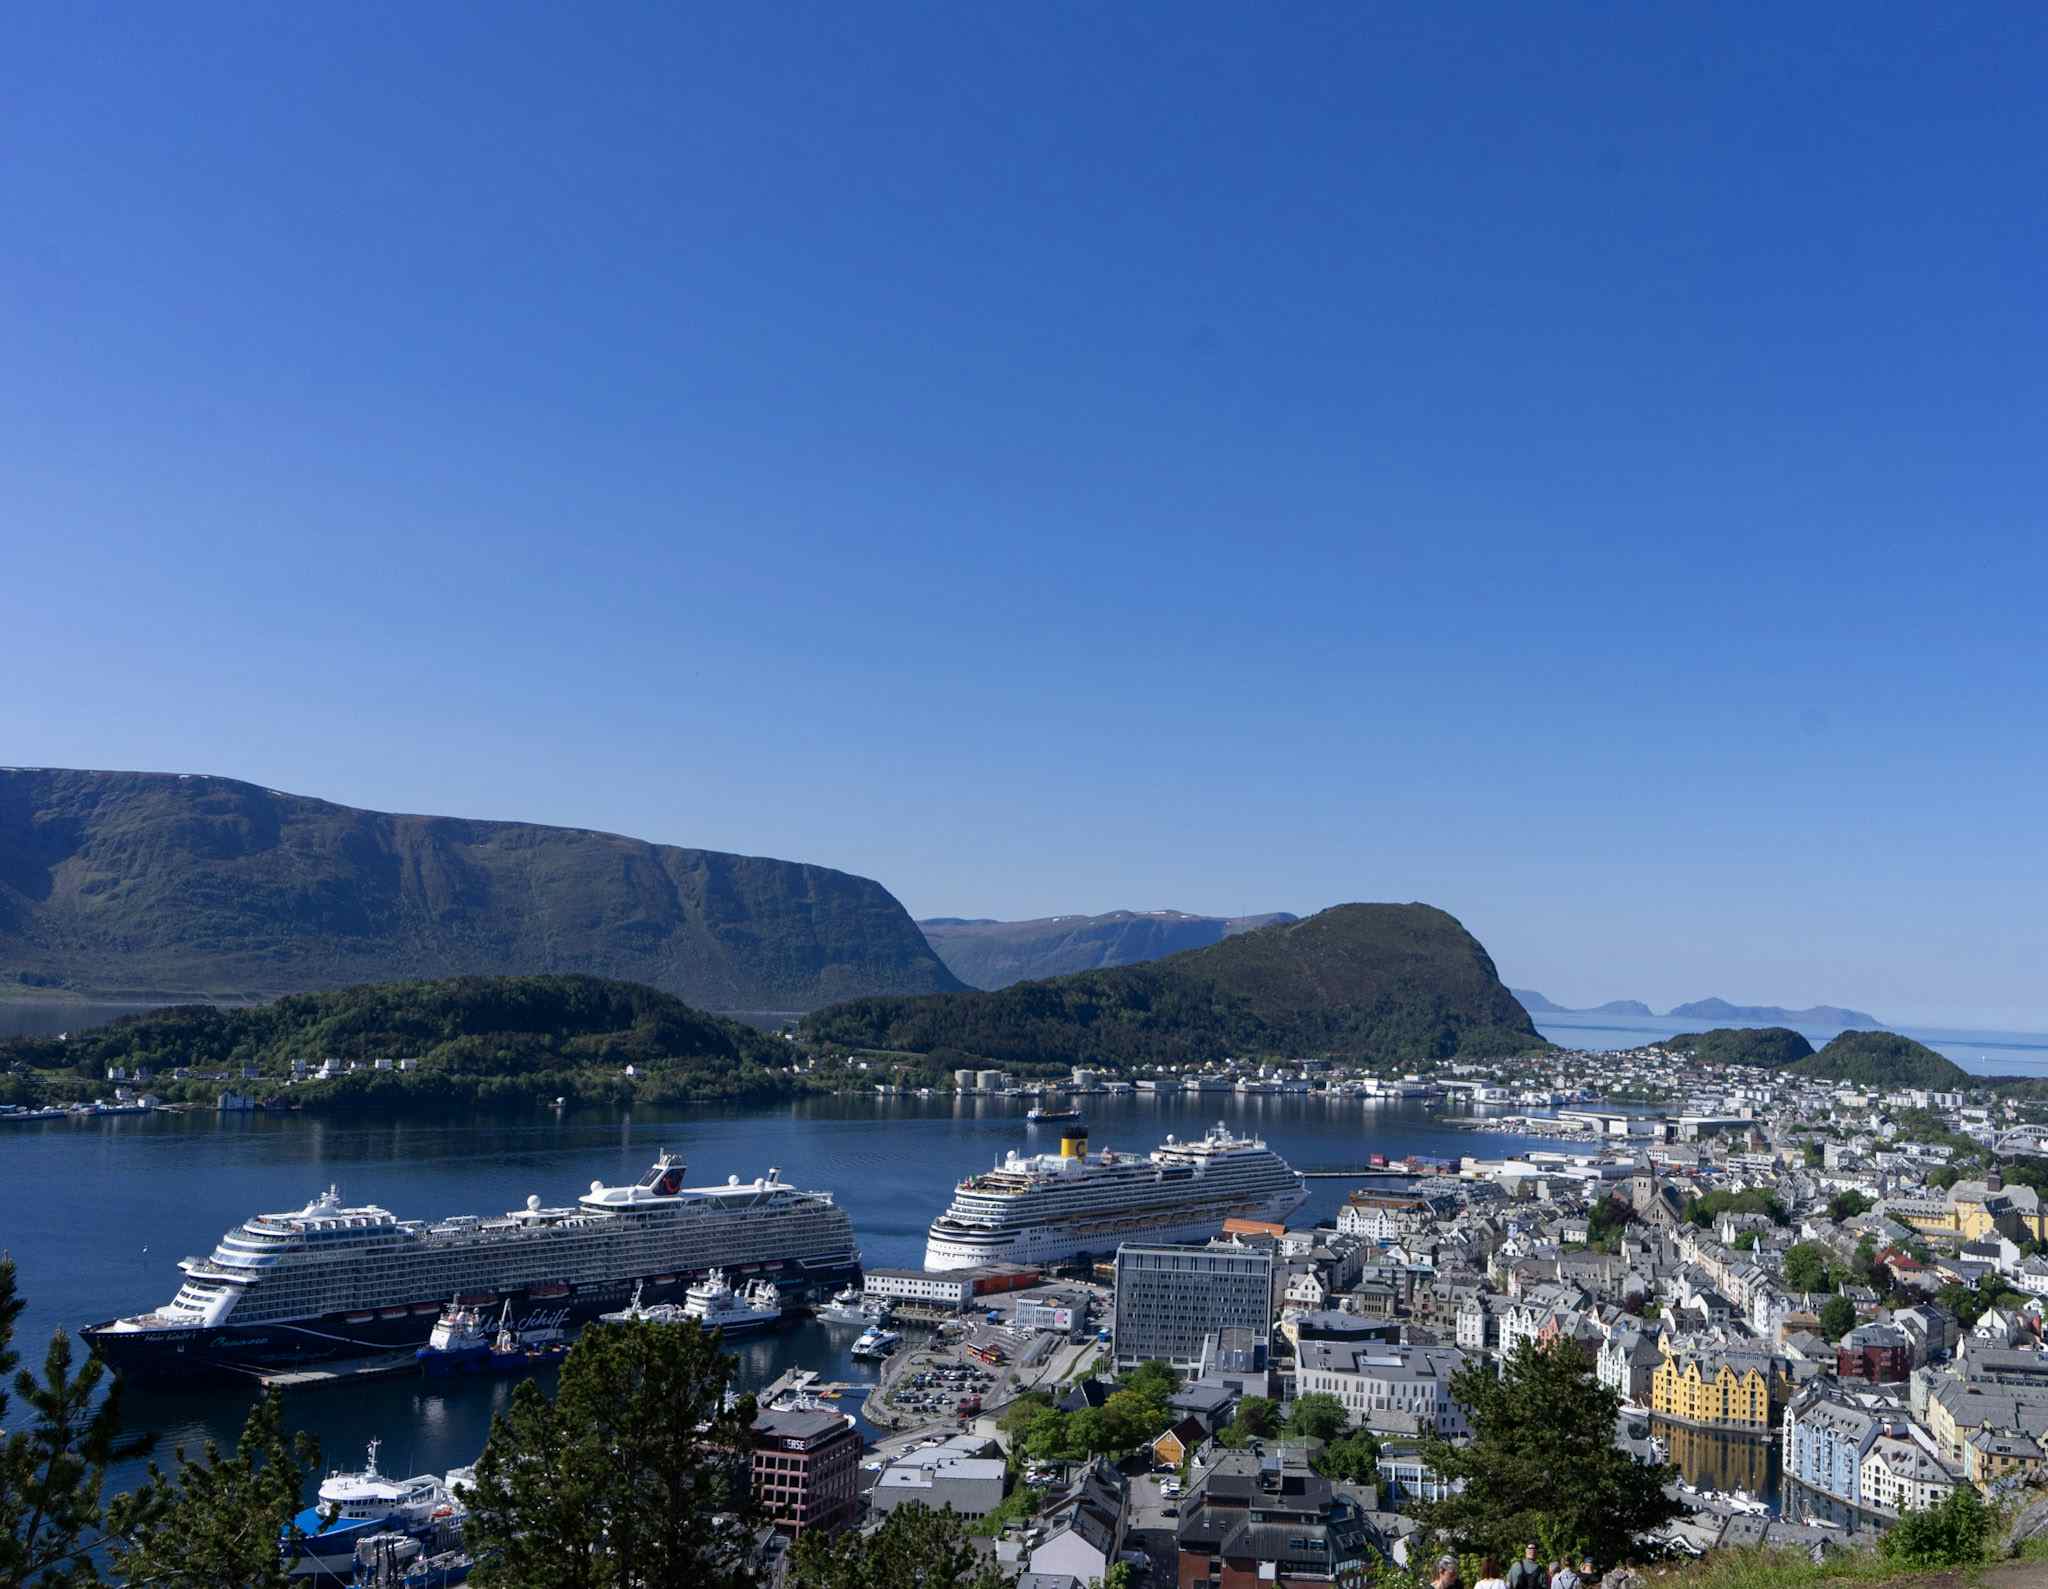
(352, 1507)
(1041, 1115)
(716, 1306)
(461, 1342)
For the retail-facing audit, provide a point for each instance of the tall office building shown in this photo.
(1170, 1300)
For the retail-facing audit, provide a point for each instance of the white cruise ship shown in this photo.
(1047, 1207)
(330, 1280)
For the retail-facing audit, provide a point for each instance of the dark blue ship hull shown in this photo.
(232, 1351)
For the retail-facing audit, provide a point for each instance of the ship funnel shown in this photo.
(1074, 1142)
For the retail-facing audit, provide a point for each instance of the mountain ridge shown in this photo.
(1719, 1009)
(1381, 981)
(989, 954)
(185, 886)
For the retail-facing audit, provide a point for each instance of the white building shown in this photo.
(1397, 1388)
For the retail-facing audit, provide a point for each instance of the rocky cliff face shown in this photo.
(117, 884)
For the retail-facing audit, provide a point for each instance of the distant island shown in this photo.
(1717, 1010)
(989, 954)
(1776, 1014)
(137, 887)
(1883, 1059)
(472, 1042)
(1393, 982)
(1742, 1045)
(1537, 1004)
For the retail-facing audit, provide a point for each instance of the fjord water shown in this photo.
(97, 1213)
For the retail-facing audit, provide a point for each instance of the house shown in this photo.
(1251, 1522)
(1180, 1442)
(962, 1474)
(1084, 1527)
(1900, 1474)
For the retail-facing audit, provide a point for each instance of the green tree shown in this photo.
(1746, 1242)
(915, 1548)
(1317, 1416)
(1354, 1459)
(1154, 1381)
(634, 1474)
(218, 1520)
(1837, 1317)
(1132, 1419)
(1256, 1416)
(1954, 1532)
(1806, 1267)
(1542, 1463)
(1847, 1205)
(51, 1469)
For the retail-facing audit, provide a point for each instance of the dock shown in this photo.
(805, 1382)
(346, 1370)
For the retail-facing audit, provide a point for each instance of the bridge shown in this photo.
(2031, 1140)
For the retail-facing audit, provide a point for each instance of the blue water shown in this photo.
(1980, 1053)
(97, 1213)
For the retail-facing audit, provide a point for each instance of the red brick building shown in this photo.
(806, 1468)
(1876, 1352)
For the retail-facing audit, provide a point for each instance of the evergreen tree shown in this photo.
(635, 1475)
(218, 1521)
(1542, 1464)
(915, 1548)
(52, 1469)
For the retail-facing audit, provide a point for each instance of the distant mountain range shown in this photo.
(153, 886)
(1398, 982)
(993, 954)
(1537, 1004)
(1717, 1010)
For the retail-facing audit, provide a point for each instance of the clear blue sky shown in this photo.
(1581, 466)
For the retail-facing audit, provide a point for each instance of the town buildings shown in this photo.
(1173, 1303)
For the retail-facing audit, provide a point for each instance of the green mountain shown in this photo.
(140, 886)
(1882, 1059)
(1401, 982)
(1742, 1045)
(993, 954)
(473, 1040)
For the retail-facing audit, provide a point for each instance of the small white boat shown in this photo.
(848, 1307)
(876, 1342)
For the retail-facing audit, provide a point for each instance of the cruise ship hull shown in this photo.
(1057, 1244)
(229, 1351)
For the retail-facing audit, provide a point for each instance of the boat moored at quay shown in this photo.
(332, 1280)
(1046, 1208)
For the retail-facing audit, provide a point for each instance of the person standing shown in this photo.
(1446, 1573)
(1527, 1572)
(1562, 1576)
(1489, 1575)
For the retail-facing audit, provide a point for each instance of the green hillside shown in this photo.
(1882, 1059)
(1742, 1045)
(159, 888)
(475, 1041)
(1396, 982)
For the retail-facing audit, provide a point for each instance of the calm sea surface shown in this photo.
(97, 1213)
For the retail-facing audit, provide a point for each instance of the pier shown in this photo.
(1353, 1172)
(344, 1370)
